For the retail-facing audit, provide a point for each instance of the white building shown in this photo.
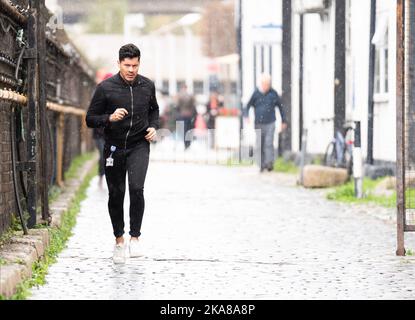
(319, 67)
(261, 43)
(261, 51)
(319, 32)
(164, 59)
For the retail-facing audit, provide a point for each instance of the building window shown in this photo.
(381, 40)
(234, 87)
(165, 85)
(198, 87)
(180, 84)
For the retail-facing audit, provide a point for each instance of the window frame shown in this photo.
(382, 56)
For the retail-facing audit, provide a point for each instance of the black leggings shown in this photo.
(134, 161)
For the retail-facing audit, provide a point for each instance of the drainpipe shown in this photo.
(340, 67)
(286, 72)
(301, 80)
(240, 77)
(372, 58)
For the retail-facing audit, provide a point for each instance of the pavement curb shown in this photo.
(20, 253)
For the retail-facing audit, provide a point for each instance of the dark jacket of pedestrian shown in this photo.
(264, 105)
(186, 105)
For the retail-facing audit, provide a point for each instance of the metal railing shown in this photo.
(405, 108)
(44, 126)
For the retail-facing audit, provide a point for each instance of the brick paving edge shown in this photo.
(21, 252)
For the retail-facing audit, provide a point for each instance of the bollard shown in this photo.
(303, 155)
(357, 162)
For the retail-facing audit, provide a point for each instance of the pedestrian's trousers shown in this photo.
(101, 164)
(187, 121)
(133, 161)
(265, 145)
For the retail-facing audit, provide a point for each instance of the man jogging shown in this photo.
(125, 105)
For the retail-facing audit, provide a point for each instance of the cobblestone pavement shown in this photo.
(213, 232)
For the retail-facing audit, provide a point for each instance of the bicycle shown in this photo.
(339, 152)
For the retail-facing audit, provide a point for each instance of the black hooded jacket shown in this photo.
(138, 98)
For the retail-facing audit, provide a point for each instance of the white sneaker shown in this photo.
(119, 254)
(135, 249)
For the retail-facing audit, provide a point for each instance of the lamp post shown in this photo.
(286, 71)
(372, 57)
(240, 74)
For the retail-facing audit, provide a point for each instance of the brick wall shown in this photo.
(68, 78)
(7, 203)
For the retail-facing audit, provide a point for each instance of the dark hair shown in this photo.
(129, 51)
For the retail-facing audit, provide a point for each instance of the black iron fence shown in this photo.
(45, 87)
(405, 120)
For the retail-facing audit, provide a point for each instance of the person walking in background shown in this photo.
(163, 102)
(98, 136)
(125, 105)
(170, 114)
(186, 108)
(212, 111)
(264, 100)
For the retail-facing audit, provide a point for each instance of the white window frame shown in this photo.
(381, 41)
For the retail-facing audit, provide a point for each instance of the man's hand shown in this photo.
(284, 127)
(118, 115)
(151, 134)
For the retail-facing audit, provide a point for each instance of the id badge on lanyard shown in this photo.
(110, 159)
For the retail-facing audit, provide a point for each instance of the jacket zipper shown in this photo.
(132, 115)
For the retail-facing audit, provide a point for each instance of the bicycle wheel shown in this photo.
(330, 156)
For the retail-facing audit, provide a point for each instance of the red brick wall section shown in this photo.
(7, 200)
(77, 85)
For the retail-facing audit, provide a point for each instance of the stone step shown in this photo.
(316, 176)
